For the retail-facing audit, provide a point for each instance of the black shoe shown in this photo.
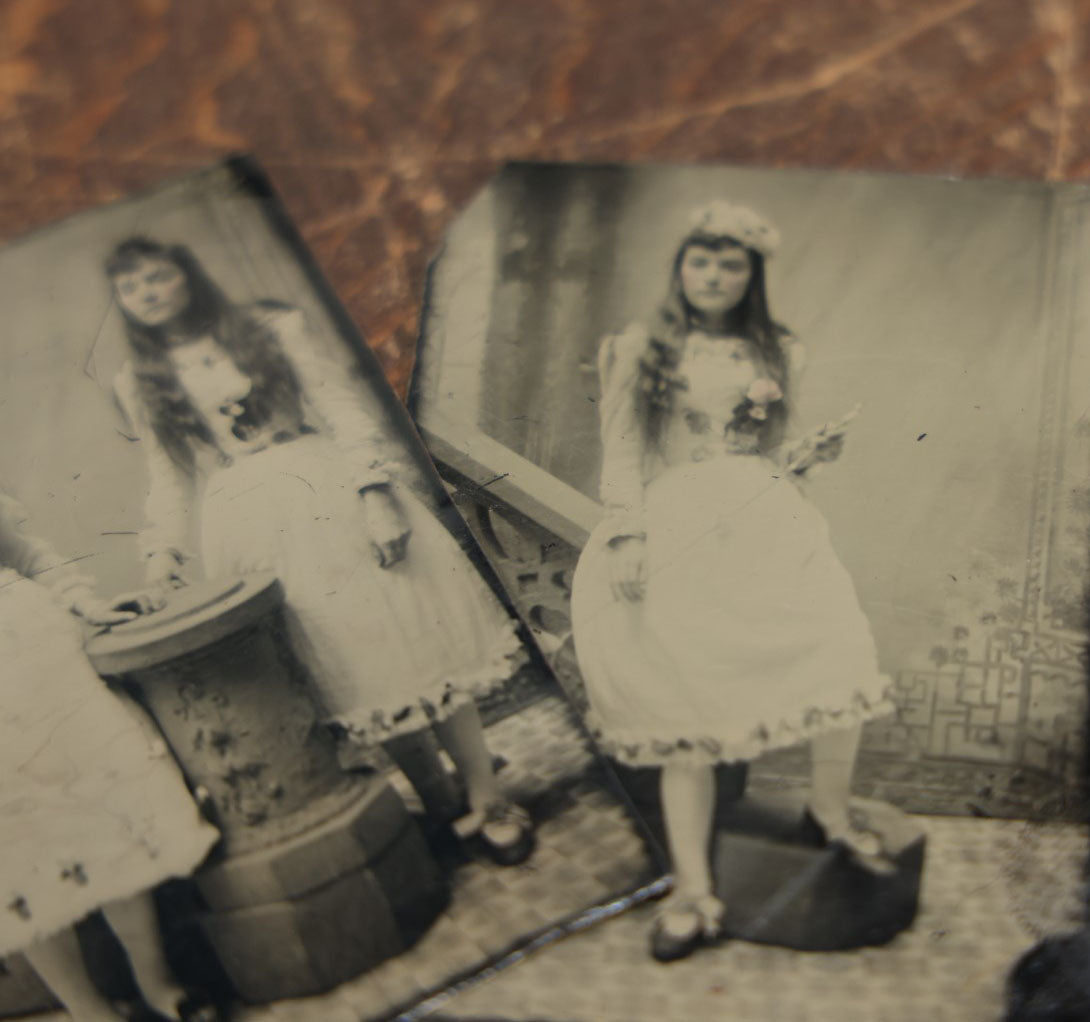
(707, 921)
(199, 1007)
(487, 827)
(193, 1007)
(862, 842)
(668, 947)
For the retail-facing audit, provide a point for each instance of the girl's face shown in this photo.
(714, 281)
(153, 292)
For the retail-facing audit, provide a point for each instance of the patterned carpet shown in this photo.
(588, 852)
(991, 888)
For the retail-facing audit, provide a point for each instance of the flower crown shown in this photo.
(723, 219)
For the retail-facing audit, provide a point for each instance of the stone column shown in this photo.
(321, 874)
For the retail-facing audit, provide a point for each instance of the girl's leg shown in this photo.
(59, 962)
(462, 735)
(505, 828)
(688, 806)
(832, 757)
(832, 764)
(416, 757)
(692, 912)
(136, 924)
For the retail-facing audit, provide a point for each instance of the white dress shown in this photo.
(389, 649)
(749, 635)
(92, 806)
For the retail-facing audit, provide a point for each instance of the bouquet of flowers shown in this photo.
(823, 444)
(751, 414)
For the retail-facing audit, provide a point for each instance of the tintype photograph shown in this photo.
(272, 741)
(790, 474)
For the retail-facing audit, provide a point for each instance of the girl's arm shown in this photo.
(337, 405)
(35, 559)
(365, 448)
(795, 356)
(802, 455)
(795, 361)
(171, 493)
(31, 556)
(621, 487)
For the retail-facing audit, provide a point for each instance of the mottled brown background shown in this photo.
(377, 120)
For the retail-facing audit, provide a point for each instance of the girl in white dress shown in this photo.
(93, 811)
(712, 618)
(243, 423)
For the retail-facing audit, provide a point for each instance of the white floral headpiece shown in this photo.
(723, 219)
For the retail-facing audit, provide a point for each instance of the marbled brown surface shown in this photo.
(377, 120)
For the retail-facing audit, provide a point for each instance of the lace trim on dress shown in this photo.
(643, 749)
(439, 701)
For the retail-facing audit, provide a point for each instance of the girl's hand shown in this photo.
(815, 450)
(163, 569)
(829, 448)
(124, 607)
(823, 445)
(386, 525)
(627, 568)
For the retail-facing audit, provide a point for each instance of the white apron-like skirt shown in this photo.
(92, 806)
(389, 649)
(749, 636)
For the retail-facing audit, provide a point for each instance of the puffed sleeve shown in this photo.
(339, 406)
(33, 558)
(796, 449)
(778, 447)
(171, 492)
(795, 355)
(621, 487)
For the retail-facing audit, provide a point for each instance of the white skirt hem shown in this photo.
(437, 702)
(655, 749)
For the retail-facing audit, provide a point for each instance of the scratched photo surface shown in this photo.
(631, 435)
(272, 741)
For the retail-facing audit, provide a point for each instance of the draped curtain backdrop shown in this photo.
(954, 314)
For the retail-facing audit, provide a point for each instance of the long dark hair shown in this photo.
(750, 318)
(275, 399)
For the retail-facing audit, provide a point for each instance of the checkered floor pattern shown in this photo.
(991, 888)
(588, 852)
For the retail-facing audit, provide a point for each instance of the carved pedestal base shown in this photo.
(313, 912)
(21, 992)
(321, 874)
(781, 887)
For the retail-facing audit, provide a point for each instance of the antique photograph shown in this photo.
(790, 473)
(273, 743)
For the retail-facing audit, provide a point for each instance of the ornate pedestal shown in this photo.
(321, 874)
(781, 886)
(21, 992)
